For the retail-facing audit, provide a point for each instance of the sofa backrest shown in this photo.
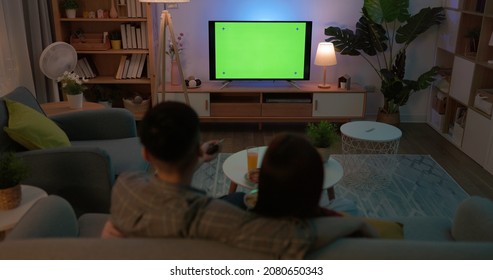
(24, 96)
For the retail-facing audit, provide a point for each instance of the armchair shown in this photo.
(104, 143)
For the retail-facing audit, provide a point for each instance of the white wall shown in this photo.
(191, 19)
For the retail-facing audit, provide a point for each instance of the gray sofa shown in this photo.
(104, 143)
(50, 230)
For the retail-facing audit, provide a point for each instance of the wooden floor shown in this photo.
(417, 138)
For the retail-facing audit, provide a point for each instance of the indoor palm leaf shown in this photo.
(384, 31)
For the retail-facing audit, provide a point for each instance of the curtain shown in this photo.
(25, 30)
(15, 67)
(38, 33)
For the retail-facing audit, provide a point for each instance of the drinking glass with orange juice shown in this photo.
(252, 158)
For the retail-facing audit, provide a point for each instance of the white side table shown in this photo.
(367, 137)
(9, 218)
(235, 168)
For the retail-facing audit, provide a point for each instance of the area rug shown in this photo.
(376, 185)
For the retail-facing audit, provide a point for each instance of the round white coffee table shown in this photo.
(367, 137)
(235, 168)
(9, 218)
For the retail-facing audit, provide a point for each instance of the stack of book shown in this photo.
(134, 8)
(134, 36)
(84, 69)
(131, 66)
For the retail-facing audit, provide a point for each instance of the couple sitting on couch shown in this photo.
(165, 205)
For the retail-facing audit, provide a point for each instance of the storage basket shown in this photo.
(10, 198)
(90, 42)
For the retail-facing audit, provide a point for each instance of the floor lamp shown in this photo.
(166, 22)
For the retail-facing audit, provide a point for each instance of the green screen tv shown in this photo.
(259, 50)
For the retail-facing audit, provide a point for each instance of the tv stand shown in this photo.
(280, 102)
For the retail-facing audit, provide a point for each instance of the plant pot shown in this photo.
(10, 198)
(389, 118)
(324, 153)
(106, 104)
(116, 44)
(71, 13)
(75, 100)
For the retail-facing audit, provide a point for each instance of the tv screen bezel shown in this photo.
(307, 54)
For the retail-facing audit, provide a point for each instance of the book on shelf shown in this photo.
(123, 31)
(129, 35)
(138, 34)
(133, 9)
(144, 10)
(125, 69)
(138, 9)
(133, 35)
(143, 59)
(121, 67)
(85, 68)
(134, 65)
(143, 30)
(91, 68)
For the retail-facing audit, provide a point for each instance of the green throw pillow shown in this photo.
(32, 129)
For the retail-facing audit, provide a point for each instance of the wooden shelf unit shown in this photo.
(278, 102)
(470, 73)
(106, 62)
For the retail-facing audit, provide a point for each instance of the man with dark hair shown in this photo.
(165, 205)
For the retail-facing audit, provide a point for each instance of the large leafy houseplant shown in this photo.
(385, 31)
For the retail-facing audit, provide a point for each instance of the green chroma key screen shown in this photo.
(260, 50)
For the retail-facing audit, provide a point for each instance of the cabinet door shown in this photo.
(346, 105)
(476, 136)
(460, 85)
(198, 101)
(489, 156)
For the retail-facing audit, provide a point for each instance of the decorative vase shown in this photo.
(116, 44)
(75, 100)
(10, 198)
(71, 13)
(392, 118)
(175, 73)
(113, 11)
(324, 153)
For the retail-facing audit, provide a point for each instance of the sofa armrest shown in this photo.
(82, 175)
(101, 124)
(49, 217)
(473, 220)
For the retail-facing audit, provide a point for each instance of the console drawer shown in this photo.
(235, 110)
(287, 110)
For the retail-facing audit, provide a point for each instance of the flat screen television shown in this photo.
(260, 50)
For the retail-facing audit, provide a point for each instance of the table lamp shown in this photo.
(161, 68)
(326, 56)
(490, 43)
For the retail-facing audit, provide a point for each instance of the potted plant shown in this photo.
(116, 39)
(104, 95)
(322, 135)
(73, 87)
(12, 172)
(385, 31)
(70, 7)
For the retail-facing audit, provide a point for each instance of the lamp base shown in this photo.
(323, 85)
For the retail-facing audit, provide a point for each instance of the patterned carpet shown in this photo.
(376, 185)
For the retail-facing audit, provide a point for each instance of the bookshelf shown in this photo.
(105, 61)
(461, 101)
